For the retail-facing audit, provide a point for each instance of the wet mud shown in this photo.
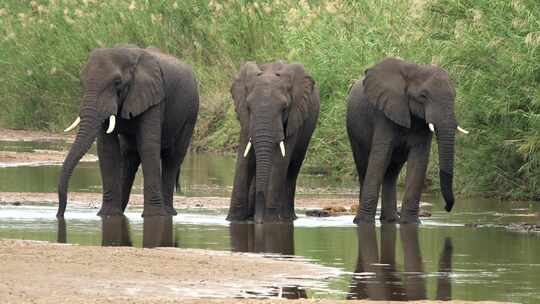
(40, 272)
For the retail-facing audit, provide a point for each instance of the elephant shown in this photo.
(277, 105)
(386, 283)
(391, 115)
(141, 105)
(115, 231)
(267, 238)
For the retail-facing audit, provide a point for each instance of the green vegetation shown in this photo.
(491, 49)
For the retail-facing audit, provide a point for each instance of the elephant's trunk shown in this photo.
(88, 131)
(446, 141)
(264, 145)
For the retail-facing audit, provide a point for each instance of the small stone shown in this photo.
(335, 209)
(317, 213)
(424, 213)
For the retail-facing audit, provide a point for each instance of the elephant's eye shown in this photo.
(118, 82)
(423, 96)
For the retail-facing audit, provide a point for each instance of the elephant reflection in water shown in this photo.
(157, 231)
(61, 232)
(267, 238)
(377, 277)
(115, 231)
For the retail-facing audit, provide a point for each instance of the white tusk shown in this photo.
(282, 148)
(112, 124)
(431, 127)
(460, 129)
(74, 124)
(248, 147)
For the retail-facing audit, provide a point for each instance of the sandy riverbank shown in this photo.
(36, 272)
(31, 135)
(37, 157)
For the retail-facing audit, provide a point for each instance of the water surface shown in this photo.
(444, 258)
(202, 174)
(438, 260)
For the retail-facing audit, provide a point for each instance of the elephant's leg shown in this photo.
(251, 197)
(295, 165)
(379, 159)
(415, 282)
(288, 213)
(279, 206)
(417, 163)
(109, 164)
(389, 195)
(276, 201)
(130, 165)
(149, 147)
(171, 164)
(240, 209)
(360, 156)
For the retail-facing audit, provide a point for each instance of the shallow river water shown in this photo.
(445, 257)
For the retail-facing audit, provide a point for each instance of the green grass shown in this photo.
(491, 49)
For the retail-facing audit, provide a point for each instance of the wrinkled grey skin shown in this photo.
(155, 99)
(387, 122)
(274, 102)
(386, 283)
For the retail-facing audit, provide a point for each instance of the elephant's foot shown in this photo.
(271, 215)
(239, 214)
(170, 210)
(407, 218)
(110, 211)
(288, 217)
(154, 210)
(389, 217)
(362, 218)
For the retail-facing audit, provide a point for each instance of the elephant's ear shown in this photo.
(385, 87)
(146, 89)
(239, 90)
(301, 92)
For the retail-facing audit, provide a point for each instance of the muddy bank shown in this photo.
(93, 200)
(30, 135)
(50, 273)
(34, 272)
(37, 157)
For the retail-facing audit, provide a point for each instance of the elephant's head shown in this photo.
(121, 81)
(403, 90)
(272, 103)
